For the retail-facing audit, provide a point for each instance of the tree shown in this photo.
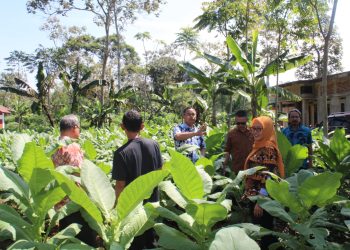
(315, 47)
(326, 28)
(188, 39)
(39, 95)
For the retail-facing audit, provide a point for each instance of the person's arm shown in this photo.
(119, 187)
(202, 152)
(181, 136)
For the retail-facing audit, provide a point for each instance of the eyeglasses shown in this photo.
(257, 129)
(241, 123)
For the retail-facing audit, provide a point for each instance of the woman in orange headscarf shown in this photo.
(265, 152)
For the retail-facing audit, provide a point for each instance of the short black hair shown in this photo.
(241, 113)
(296, 111)
(68, 122)
(132, 121)
(187, 108)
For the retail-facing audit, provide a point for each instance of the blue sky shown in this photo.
(21, 31)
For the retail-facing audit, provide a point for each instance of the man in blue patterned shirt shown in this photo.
(188, 133)
(299, 134)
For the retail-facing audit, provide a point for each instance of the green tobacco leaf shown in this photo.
(233, 238)
(207, 164)
(207, 181)
(138, 190)
(23, 244)
(185, 176)
(170, 238)
(339, 144)
(297, 179)
(275, 209)
(283, 145)
(206, 213)
(328, 156)
(24, 230)
(68, 233)
(317, 190)
(295, 159)
(77, 195)
(44, 201)
(315, 236)
(98, 186)
(171, 190)
(136, 223)
(214, 141)
(12, 181)
(280, 192)
(18, 144)
(184, 221)
(76, 246)
(34, 158)
(89, 150)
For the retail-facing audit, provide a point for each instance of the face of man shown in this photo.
(294, 118)
(241, 123)
(190, 117)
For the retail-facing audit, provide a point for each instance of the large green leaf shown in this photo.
(295, 159)
(66, 234)
(239, 55)
(75, 246)
(136, 223)
(196, 73)
(328, 156)
(34, 158)
(206, 213)
(315, 236)
(98, 186)
(232, 238)
(77, 195)
(297, 179)
(185, 176)
(283, 145)
(214, 141)
(275, 209)
(319, 189)
(280, 192)
(339, 144)
(44, 201)
(13, 182)
(138, 190)
(89, 150)
(171, 190)
(284, 64)
(170, 238)
(24, 230)
(18, 144)
(23, 244)
(183, 221)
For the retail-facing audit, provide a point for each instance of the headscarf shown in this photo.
(268, 139)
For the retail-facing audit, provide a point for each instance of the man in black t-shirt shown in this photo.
(137, 157)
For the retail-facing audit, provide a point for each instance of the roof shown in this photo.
(4, 110)
(313, 81)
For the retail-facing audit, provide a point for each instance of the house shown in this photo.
(338, 91)
(3, 111)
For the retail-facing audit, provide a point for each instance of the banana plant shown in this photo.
(75, 80)
(39, 96)
(253, 76)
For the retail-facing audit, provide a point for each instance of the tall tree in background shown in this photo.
(187, 38)
(325, 25)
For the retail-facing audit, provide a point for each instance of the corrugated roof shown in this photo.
(4, 110)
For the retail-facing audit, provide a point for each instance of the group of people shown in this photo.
(248, 147)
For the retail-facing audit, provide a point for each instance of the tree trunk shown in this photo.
(213, 115)
(325, 70)
(116, 23)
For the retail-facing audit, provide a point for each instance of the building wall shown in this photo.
(338, 96)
